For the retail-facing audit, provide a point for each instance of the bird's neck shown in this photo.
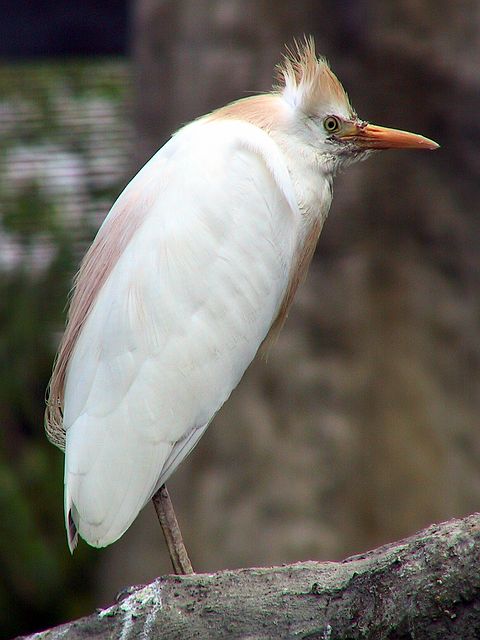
(312, 178)
(311, 171)
(312, 183)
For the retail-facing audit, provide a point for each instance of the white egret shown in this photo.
(194, 268)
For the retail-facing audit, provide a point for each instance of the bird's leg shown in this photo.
(173, 536)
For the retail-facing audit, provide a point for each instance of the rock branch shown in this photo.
(426, 586)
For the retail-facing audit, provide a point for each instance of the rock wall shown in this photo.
(362, 426)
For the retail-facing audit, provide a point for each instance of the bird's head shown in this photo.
(309, 111)
(323, 116)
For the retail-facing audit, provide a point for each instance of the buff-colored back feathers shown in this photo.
(112, 239)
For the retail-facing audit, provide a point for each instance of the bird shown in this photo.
(191, 274)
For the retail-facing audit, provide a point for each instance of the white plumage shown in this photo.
(197, 261)
(178, 320)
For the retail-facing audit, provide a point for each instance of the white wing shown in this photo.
(178, 320)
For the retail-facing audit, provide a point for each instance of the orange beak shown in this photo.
(372, 136)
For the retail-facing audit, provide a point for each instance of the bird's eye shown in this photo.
(331, 124)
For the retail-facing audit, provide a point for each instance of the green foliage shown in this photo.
(41, 242)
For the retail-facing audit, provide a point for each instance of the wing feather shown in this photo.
(177, 321)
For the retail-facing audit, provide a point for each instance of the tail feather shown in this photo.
(107, 481)
(72, 531)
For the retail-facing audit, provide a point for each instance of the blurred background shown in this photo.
(362, 426)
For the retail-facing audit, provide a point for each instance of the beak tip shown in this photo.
(430, 145)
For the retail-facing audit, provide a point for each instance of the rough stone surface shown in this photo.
(425, 587)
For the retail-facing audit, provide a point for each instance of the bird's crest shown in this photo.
(307, 82)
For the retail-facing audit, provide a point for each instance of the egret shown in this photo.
(193, 271)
